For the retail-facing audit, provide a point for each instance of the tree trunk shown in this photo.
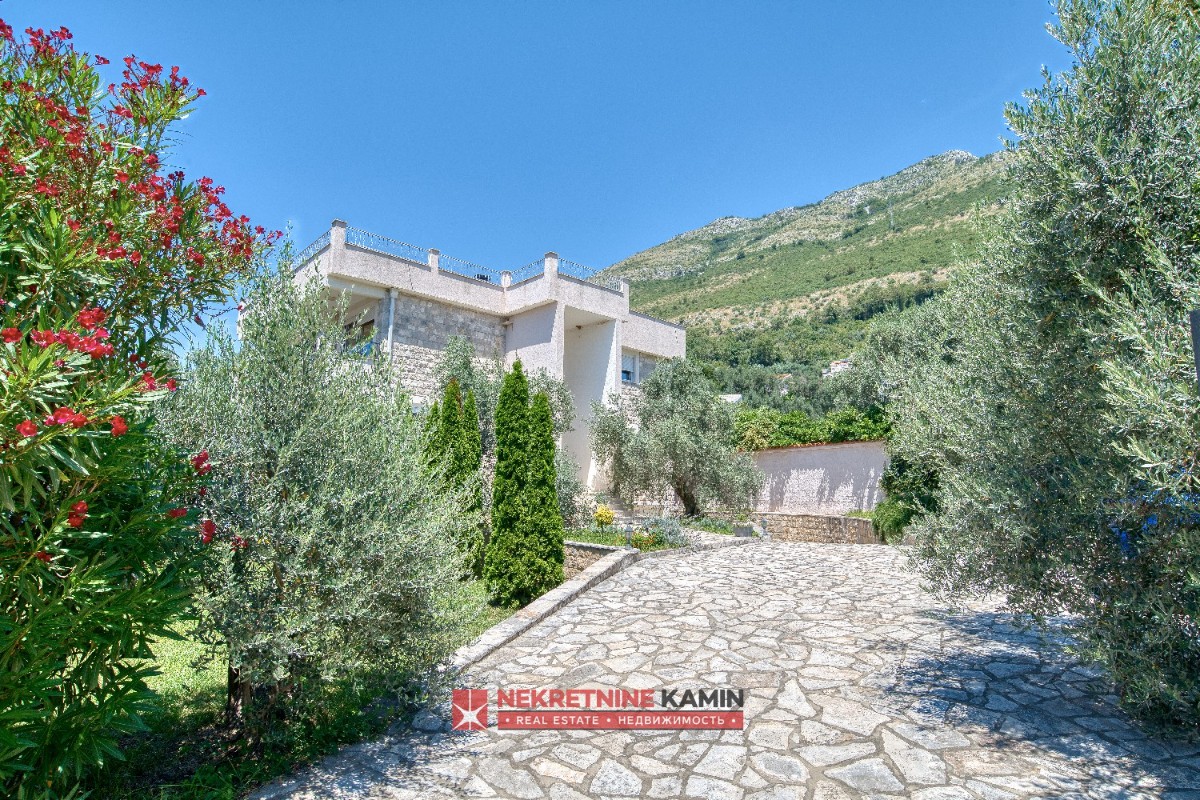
(691, 506)
(238, 694)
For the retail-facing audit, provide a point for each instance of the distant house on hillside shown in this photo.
(553, 314)
(841, 365)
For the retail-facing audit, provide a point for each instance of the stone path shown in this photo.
(857, 685)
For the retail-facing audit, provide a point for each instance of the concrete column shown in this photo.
(337, 245)
(391, 334)
(435, 257)
(505, 279)
(550, 265)
(625, 288)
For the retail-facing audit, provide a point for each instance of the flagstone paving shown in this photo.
(858, 684)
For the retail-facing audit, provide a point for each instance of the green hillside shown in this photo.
(794, 289)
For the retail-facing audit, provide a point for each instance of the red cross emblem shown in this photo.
(469, 710)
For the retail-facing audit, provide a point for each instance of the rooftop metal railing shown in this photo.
(589, 274)
(530, 270)
(460, 267)
(420, 255)
(382, 244)
(307, 254)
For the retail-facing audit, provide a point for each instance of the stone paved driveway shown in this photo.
(858, 684)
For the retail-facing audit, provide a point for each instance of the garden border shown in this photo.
(619, 559)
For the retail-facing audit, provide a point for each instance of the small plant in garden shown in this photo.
(104, 253)
(604, 517)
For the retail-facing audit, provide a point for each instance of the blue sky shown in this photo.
(496, 131)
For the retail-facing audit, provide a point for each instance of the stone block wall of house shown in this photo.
(421, 332)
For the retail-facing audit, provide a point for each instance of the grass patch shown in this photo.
(190, 752)
(709, 524)
(615, 537)
(609, 535)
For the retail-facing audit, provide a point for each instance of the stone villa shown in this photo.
(553, 314)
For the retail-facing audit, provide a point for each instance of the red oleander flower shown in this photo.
(10, 335)
(63, 415)
(239, 543)
(200, 459)
(27, 428)
(89, 318)
(78, 514)
(119, 428)
(149, 384)
(208, 529)
(42, 555)
(171, 385)
(176, 513)
(42, 338)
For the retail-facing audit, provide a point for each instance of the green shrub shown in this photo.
(666, 532)
(890, 519)
(574, 498)
(759, 428)
(102, 261)
(335, 555)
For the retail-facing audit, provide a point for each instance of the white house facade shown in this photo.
(553, 314)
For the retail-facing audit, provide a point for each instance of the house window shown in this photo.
(628, 368)
(646, 367)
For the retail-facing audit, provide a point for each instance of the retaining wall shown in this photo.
(823, 528)
(821, 478)
(578, 556)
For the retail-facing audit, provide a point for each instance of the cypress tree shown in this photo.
(470, 457)
(541, 525)
(503, 569)
(446, 440)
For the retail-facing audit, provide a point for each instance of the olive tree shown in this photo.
(1055, 397)
(674, 435)
(337, 554)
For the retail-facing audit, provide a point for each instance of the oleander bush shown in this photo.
(105, 252)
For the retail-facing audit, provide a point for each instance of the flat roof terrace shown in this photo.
(355, 259)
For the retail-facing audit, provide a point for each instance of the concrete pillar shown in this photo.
(391, 328)
(337, 245)
(505, 279)
(550, 265)
(435, 257)
(625, 288)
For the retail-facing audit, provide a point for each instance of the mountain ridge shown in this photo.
(829, 265)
